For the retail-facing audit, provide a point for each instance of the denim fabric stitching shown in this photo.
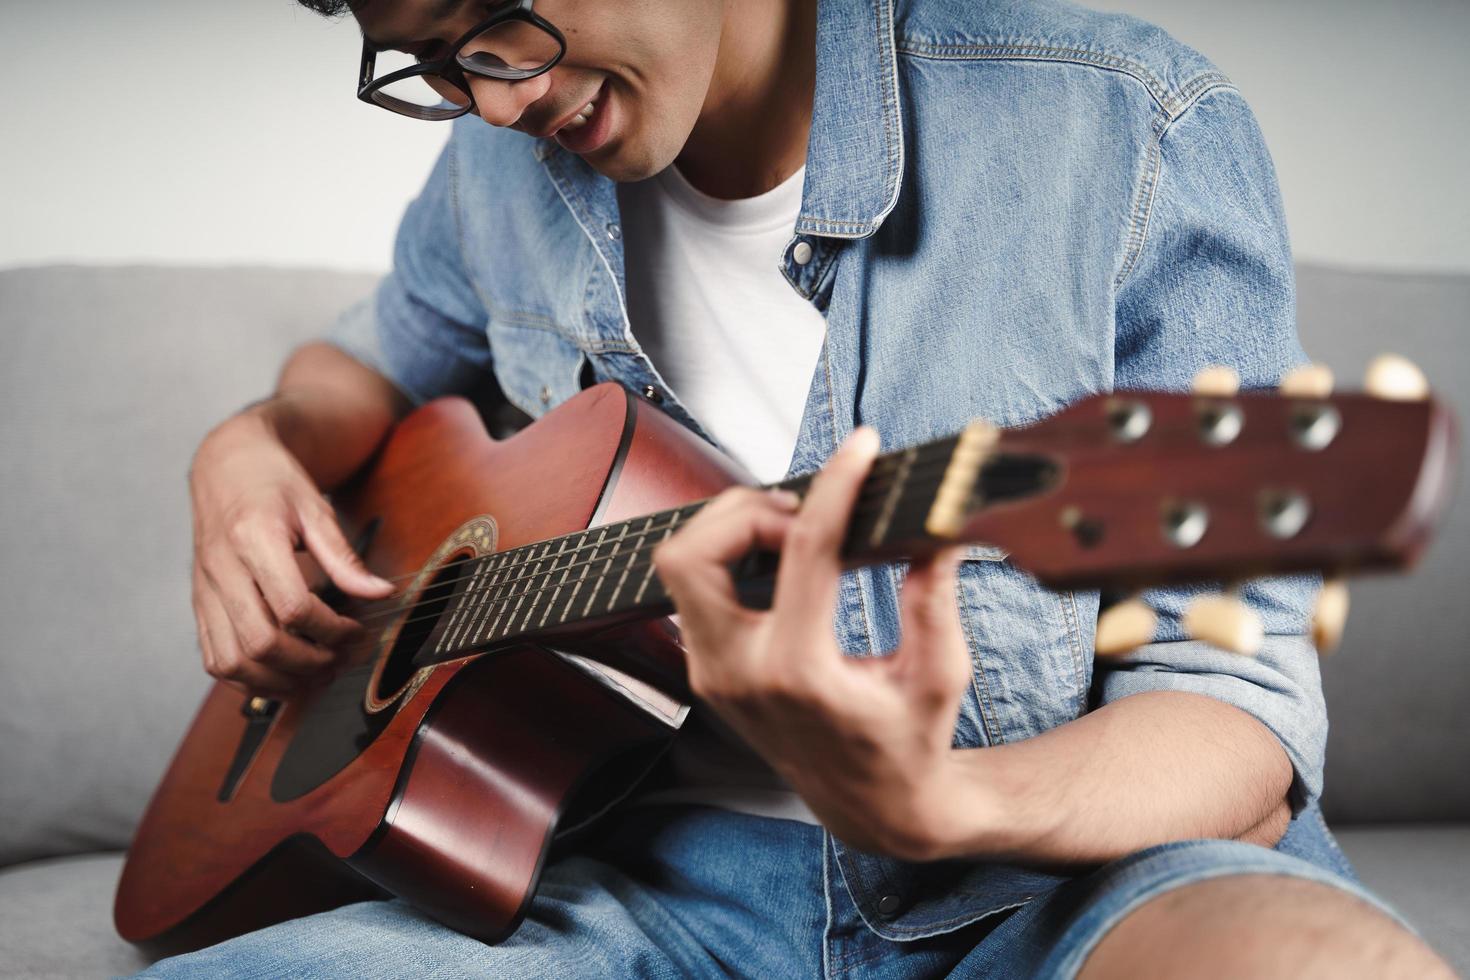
(1138, 225)
(1074, 634)
(1172, 103)
(892, 119)
(1142, 210)
(827, 902)
(893, 147)
(952, 923)
(978, 683)
(567, 194)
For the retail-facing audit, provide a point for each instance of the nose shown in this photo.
(500, 103)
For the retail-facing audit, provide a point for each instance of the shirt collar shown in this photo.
(855, 152)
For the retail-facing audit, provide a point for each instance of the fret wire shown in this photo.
(631, 555)
(531, 610)
(589, 564)
(461, 611)
(583, 577)
(890, 501)
(871, 488)
(677, 516)
(648, 575)
(552, 601)
(502, 574)
(592, 595)
(520, 598)
(934, 453)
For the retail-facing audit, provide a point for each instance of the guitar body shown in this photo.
(444, 784)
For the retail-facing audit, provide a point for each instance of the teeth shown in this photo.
(580, 119)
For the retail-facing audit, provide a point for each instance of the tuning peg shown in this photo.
(1225, 622)
(1124, 626)
(1307, 381)
(1330, 615)
(1216, 381)
(1396, 379)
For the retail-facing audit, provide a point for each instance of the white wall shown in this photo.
(251, 148)
(196, 131)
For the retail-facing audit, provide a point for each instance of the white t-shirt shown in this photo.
(737, 345)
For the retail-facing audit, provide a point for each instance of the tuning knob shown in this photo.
(1125, 626)
(1307, 381)
(1225, 622)
(1395, 378)
(1216, 381)
(1330, 615)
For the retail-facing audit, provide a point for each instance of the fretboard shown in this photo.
(607, 571)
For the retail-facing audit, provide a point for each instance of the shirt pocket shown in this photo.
(537, 367)
(1026, 643)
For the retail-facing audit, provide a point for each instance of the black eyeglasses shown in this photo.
(514, 43)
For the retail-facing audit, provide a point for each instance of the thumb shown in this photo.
(324, 539)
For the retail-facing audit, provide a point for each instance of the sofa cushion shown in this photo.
(1423, 871)
(110, 378)
(56, 919)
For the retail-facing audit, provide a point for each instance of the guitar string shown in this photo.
(634, 553)
(881, 467)
(530, 559)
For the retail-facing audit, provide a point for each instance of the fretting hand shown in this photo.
(865, 741)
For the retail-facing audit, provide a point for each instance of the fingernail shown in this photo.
(863, 440)
(787, 499)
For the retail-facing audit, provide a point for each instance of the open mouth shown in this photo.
(590, 127)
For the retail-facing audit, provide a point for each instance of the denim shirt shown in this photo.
(1009, 206)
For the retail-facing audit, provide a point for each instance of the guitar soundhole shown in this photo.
(434, 603)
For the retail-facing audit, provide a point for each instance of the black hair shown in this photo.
(329, 8)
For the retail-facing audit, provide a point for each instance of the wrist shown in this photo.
(997, 811)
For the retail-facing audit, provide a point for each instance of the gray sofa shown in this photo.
(111, 377)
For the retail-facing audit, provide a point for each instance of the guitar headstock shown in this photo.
(1145, 488)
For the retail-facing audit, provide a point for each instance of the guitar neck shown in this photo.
(607, 571)
(1118, 491)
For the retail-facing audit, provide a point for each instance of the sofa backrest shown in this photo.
(1397, 691)
(111, 376)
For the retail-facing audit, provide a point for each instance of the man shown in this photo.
(974, 210)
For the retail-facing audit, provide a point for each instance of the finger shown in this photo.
(806, 581)
(258, 637)
(271, 561)
(324, 539)
(206, 649)
(694, 564)
(933, 658)
(230, 665)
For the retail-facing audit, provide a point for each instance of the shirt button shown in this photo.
(613, 231)
(545, 395)
(653, 394)
(802, 253)
(889, 904)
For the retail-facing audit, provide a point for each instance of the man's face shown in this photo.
(644, 65)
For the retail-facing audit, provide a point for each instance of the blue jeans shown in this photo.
(676, 891)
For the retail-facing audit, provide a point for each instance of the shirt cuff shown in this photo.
(1281, 687)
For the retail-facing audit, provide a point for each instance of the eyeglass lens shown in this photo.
(509, 50)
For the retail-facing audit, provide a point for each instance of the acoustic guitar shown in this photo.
(527, 671)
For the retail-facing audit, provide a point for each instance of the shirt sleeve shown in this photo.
(1212, 283)
(424, 327)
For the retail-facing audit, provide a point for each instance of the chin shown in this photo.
(626, 164)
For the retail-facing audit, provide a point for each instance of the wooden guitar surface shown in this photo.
(450, 795)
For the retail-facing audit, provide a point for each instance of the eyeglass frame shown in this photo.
(506, 12)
